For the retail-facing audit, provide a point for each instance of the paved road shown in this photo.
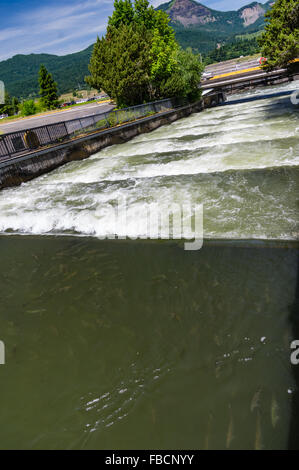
(73, 113)
(241, 78)
(231, 66)
(232, 73)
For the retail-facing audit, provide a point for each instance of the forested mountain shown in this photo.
(232, 50)
(190, 13)
(20, 73)
(203, 28)
(195, 25)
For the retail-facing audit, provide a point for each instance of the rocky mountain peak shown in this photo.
(189, 12)
(251, 13)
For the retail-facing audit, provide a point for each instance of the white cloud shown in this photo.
(54, 12)
(10, 33)
(65, 28)
(156, 3)
(55, 29)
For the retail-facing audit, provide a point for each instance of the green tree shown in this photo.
(120, 66)
(7, 107)
(280, 41)
(28, 108)
(190, 69)
(145, 14)
(138, 59)
(164, 48)
(48, 89)
(123, 13)
(184, 82)
(15, 105)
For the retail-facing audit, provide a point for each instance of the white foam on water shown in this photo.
(198, 160)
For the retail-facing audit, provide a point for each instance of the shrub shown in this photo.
(112, 120)
(28, 108)
(101, 123)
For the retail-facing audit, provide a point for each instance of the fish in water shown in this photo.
(230, 431)
(256, 400)
(70, 276)
(175, 316)
(217, 340)
(154, 415)
(209, 431)
(274, 411)
(159, 278)
(64, 289)
(258, 445)
(35, 312)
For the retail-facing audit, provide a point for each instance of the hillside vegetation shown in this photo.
(203, 29)
(195, 26)
(232, 50)
(20, 73)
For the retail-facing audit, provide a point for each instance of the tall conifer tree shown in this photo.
(48, 89)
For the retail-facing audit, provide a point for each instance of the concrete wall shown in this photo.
(20, 169)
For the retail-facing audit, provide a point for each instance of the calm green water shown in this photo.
(142, 345)
(122, 344)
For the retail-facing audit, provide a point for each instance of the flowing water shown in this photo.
(140, 344)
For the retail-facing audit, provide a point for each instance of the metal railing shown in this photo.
(27, 140)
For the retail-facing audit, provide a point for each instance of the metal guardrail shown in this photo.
(242, 81)
(22, 142)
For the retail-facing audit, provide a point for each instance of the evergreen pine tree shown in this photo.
(48, 89)
(7, 107)
(15, 105)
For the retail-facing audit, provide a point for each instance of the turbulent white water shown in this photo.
(239, 161)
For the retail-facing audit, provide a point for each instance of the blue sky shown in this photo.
(65, 26)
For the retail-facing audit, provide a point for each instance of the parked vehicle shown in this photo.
(69, 103)
(207, 75)
(262, 60)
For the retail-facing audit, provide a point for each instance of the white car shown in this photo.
(207, 75)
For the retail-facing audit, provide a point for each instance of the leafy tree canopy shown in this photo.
(10, 106)
(280, 41)
(28, 108)
(139, 59)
